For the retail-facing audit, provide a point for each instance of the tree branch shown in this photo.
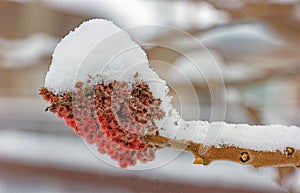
(205, 155)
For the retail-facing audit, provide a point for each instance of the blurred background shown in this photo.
(233, 60)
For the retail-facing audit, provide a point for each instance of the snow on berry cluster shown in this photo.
(113, 116)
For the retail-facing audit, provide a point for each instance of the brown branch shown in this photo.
(205, 155)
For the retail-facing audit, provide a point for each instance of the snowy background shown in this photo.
(255, 46)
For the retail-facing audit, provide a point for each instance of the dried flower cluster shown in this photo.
(113, 116)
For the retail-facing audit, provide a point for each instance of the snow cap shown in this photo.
(98, 50)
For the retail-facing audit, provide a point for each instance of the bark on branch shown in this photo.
(205, 155)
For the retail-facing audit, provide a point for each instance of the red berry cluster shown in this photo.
(113, 116)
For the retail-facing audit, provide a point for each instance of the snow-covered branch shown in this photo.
(100, 83)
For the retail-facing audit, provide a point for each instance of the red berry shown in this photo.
(111, 116)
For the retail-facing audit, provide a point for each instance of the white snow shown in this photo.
(102, 50)
(20, 53)
(265, 138)
(98, 47)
